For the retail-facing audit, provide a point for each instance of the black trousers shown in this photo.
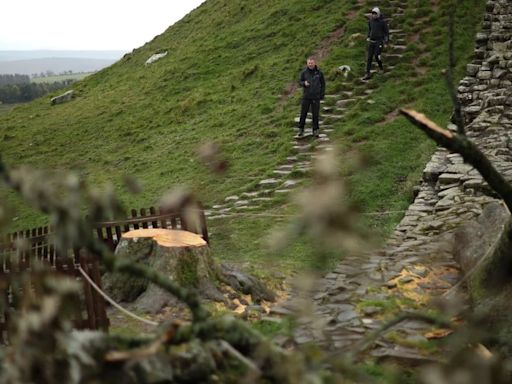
(315, 111)
(374, 50)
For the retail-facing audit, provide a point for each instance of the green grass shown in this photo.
(4, 108)
(228, 63)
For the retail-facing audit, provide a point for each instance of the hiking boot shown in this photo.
(301, 133)
(316, 133)
(368, 76)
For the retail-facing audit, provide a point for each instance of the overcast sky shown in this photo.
(87, 25)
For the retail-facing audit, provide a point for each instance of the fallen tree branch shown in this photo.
(467, 149)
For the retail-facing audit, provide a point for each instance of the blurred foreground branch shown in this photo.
(467, 149)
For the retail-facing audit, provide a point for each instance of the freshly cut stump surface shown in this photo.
(168, 237)
(182, 256)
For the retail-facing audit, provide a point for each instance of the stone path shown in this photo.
(416, 265)
(287, 177)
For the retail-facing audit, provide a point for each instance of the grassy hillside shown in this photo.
(229, 62)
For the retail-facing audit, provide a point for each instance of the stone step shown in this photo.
(334, 109)
(308, 120)
(344, 102)
(283, 191)
(251, 194)
(281, 172)
(399, 48)
(302, 148)
(218, 217)
(269, 182)
(290, 184)
(333, 117)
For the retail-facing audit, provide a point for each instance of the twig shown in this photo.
(147, 349)
(112, 302)
(467, 149)
(237, 355)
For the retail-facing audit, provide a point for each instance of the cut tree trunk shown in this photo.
(182, 256)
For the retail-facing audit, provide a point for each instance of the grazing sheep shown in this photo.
(345, 69)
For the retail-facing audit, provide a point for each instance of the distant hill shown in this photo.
(44, 53)
(57, 65)
(29, 62)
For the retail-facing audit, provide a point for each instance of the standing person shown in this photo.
(378, 35)
(313, 82)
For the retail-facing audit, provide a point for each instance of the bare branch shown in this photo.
(467, 149)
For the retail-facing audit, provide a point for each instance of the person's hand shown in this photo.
(306, 83)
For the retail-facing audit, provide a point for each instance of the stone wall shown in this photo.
(487, 87)
(419, 256)
(452, 192)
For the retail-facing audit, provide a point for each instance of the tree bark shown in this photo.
(182, 256)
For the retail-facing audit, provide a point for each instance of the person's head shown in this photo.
(376, 13)
(311, 62)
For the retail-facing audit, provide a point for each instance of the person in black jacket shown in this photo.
(378, 35)
(313, 81)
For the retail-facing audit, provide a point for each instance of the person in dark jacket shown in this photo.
(378, 35)
(313, 81)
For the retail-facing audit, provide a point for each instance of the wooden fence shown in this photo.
(110, 231)
(21, 251)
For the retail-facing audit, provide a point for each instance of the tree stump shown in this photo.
(180, 255)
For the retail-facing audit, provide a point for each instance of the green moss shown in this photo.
(273, 328)
(186, 270)
(425, 346)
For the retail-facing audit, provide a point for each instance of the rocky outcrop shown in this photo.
(64, 98)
